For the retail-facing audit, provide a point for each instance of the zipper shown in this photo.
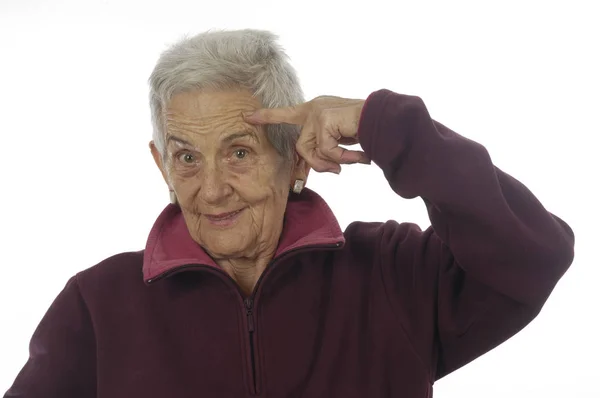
(249, 303)
(249, 307)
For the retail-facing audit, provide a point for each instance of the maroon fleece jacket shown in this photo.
(380, 310)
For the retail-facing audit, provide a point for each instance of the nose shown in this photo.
(214, 187)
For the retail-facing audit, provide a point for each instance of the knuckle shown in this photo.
(321, 152)
(320, 168)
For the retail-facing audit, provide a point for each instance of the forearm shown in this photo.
(494, 226)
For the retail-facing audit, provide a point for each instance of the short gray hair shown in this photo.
(222, 60)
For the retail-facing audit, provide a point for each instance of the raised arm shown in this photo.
(493, 254)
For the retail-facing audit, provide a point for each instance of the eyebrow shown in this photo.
(177, 139)
(241, 134)
(227, 139)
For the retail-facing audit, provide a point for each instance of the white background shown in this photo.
(78, 182)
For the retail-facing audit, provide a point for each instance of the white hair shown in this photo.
(222, 60)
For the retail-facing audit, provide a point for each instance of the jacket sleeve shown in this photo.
(61, 353)
(492, 255)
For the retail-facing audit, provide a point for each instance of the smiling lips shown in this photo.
(223, 219)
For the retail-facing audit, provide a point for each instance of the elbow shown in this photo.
(555, 262)
(540, 265)
(566, 251)
(562, 250)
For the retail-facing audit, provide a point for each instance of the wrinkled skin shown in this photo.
(218, 163)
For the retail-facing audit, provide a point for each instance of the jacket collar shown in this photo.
(308, 222)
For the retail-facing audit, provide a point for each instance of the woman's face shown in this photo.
(231, 184)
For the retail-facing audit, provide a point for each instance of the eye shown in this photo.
(186, 157)
(240, 153)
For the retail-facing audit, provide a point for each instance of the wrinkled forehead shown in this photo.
(211, 104)
(197, 116)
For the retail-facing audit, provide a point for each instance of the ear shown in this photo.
(300, 171)
(158, 160)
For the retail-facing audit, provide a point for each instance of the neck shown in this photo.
(246, 268)
(245, 271)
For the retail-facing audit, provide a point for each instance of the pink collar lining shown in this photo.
(308, 222)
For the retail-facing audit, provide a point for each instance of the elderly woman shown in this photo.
(248, 286)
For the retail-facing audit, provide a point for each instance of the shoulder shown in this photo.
(376, 233)
(117, 271)
(391, 240)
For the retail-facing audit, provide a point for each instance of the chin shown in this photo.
(225, 245)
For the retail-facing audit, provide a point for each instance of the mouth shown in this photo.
(223, 219)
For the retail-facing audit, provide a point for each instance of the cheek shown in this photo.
(261, 180)
(186, 188)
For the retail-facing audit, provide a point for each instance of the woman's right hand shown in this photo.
(327, 123)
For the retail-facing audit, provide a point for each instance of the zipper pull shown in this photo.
(249, 303)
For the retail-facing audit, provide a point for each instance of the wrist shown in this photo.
(359, 114)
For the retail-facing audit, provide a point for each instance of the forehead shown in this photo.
(208, 103)
(195, 117)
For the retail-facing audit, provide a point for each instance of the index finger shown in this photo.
(290, 115)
